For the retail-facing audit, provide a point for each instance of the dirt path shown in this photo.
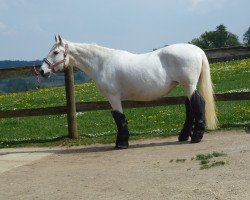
(144, 171)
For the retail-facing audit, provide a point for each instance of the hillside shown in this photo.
(18, 63)
(21, 84)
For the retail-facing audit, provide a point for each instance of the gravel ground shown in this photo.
(147, 170)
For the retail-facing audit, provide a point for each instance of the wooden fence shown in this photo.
(72, 107)
(228, 53)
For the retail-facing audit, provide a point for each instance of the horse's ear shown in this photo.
(60, 39)
(56, 39)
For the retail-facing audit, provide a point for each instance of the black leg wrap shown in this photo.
(198, 106)
(123, 133)
(188, 125)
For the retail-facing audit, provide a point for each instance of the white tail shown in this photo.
(206, 87)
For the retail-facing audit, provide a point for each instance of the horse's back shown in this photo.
(180, 52)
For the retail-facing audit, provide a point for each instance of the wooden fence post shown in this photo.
(71, 105)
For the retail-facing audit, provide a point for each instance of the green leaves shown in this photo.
(216, 39)
(246, 37)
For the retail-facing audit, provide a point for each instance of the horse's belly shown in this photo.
(146, 92)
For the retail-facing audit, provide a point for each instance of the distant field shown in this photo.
(98, 126)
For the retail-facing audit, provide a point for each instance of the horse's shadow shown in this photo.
(108, 148)
(94, 149)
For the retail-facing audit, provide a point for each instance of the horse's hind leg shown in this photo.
(121, 123)
(195, 116)
(188, 124)
(198, 106)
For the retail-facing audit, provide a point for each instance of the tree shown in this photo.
(216, 39)
(246, 37)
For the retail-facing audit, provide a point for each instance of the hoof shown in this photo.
(197, 136)
(184, 135)
(183, 138)
(195, 139)
(121, 145)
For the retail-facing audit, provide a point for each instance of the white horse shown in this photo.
(120, 75)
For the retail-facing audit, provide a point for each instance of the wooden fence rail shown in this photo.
(104, 105)
(214, 55)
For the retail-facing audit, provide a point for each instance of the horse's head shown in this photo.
(58, 58)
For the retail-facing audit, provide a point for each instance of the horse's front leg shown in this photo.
(122, 127)
(121, 123)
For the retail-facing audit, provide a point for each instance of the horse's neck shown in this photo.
(88, 57)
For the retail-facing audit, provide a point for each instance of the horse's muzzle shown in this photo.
(45, 74)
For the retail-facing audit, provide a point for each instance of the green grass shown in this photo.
(213, 164)
(98, 126)
(203, 157)
(205, 160)
(182, 160)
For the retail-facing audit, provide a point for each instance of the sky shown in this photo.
(27, 27)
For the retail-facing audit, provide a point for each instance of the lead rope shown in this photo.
(38, 78)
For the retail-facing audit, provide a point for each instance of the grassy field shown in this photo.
(98, 126)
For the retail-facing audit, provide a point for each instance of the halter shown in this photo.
(53, 65)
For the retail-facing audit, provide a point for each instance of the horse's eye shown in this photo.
(56, 52)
